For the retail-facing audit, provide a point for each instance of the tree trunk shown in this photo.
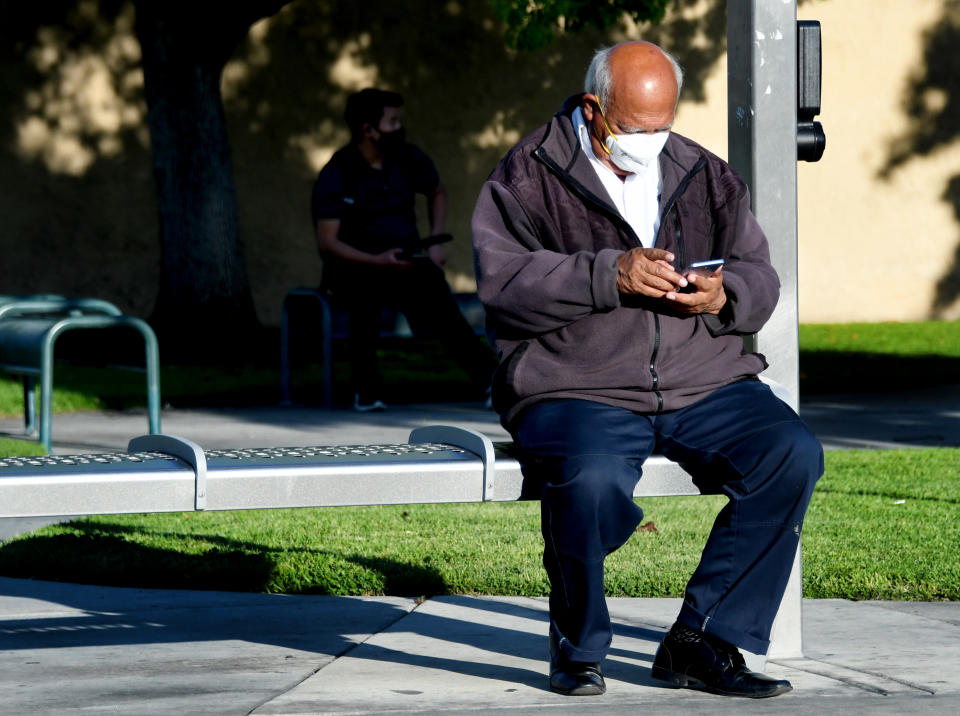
(204, 307)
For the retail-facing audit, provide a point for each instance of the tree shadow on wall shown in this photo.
(468, 99)
(76, 187)
(697, 38)
(76, 171)
(932, 104)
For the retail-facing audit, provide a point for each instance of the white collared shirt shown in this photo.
(636, 197)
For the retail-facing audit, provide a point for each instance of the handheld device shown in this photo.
(419, 249)
(704, 268)
(701, 268)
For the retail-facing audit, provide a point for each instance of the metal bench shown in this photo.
(438, 464)
(333, 325)
(53, 304)
(29, 329)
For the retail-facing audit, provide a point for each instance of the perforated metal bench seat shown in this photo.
(162, 473)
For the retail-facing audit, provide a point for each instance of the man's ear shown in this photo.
(368, 130)
(587, 106)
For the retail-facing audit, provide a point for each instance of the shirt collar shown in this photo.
(583, 133)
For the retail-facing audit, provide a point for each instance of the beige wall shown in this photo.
(874, 248)
(871, 247)
(76, 189)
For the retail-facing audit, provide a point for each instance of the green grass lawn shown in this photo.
(20, 448)
(891, 338)
(882, 525)
(414, 372)
(78, 387)
(856, 357)
(833, 357)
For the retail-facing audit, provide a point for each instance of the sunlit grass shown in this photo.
(882, 525)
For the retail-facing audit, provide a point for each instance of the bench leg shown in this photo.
(285, 354)
(29, 404)
(786, 639)
(153, 377)
(46, 393)
(90, 322)
(326, 327)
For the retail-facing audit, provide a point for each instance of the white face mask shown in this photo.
(633, 153)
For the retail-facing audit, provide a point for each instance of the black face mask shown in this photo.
(391, 142)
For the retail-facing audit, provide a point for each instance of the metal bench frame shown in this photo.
(326, 336)
(29, 330)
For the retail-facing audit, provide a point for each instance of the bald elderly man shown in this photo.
(611, 347)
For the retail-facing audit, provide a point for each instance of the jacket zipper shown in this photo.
(678, 232)
(671, 208)
(619, 220)
(671, 205)
(653, 360)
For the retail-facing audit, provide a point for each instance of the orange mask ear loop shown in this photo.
(609, 129)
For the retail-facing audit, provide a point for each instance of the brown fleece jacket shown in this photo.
(546, 240)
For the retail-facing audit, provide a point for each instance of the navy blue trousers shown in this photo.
(585, 458)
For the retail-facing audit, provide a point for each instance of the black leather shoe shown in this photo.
(690, 658)
(574, 678)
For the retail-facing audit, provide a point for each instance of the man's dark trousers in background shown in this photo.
(421, 293)
(586, 458)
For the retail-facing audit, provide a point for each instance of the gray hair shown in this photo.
(598, 80)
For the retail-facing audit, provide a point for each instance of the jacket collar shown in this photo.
(561, 145)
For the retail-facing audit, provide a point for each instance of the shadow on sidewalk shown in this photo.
(324, 625)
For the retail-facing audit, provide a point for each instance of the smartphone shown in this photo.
(704, 268)
(701, 268)
(419, 250)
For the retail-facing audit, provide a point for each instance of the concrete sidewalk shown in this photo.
(82, 649)
(71, 649)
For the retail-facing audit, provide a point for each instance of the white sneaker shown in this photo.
(376, 405)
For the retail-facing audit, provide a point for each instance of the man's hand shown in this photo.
(437, 255)
(708, 298)
(329, 243)
(648, 272)
(391, 258)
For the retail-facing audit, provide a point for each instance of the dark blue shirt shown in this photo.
(375, 206)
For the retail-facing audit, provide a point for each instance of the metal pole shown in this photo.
(762, 148)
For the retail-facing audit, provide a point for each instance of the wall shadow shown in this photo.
(76, 188)
(932, 104)
(75, 170)
(947, 290)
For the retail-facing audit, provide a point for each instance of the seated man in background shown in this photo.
(612, 348)
(366, 229)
